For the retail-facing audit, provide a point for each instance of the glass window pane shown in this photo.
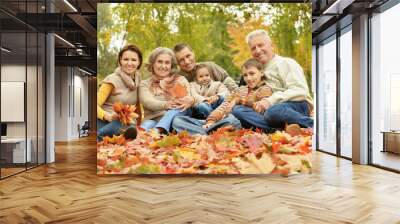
(327, 96)
(13, 85)
(386, 89)
(346, 94)
(41, 99)
(31, 101)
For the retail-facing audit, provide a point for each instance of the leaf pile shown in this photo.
(224, 151)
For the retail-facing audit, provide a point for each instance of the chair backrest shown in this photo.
(86, 125)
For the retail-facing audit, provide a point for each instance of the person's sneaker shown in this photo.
(293, 129)
(130, 133)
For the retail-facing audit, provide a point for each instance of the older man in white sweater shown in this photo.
(290, 102)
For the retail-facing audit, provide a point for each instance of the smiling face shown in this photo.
(261, 49)
(186, 59)
(252, 76)
(129, 62)
(162, 65)
(203, 76)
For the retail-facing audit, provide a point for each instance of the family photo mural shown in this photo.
(204, 88)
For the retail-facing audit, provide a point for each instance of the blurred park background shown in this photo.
(216, 31)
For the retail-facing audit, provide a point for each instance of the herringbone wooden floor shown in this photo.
(69, 191)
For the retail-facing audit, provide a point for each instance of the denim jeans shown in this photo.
(291, 112)
(166, 121)
(195, 126)
(275, 117)
(202, 110)
(105, 128)
(250, 119)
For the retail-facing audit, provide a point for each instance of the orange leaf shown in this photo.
(126, 113)
(178, 91)
(117, 107)
(116, 139)
(102, 162)
(118, 151)
(120, 140)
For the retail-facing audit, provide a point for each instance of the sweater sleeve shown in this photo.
(296, 88)
(148, 99)
(189, 97)
(230, 84)
(198, 98)
(222, 91)
(102, 95)
(224, 109)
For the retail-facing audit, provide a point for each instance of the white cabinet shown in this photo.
(16, 147)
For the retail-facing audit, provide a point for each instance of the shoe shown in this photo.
(293, 129)
(130, 133)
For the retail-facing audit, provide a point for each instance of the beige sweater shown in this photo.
(118, 93)
(155, 105)
(201, 92)
(286, 78)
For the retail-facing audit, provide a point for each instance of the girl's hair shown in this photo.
(200, 66)
(133, 48)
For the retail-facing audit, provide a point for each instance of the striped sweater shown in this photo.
(242, 96)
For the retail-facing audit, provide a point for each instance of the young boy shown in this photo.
(208, 94)
(246, 100)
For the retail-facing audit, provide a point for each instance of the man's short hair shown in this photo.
(258, 32)
(181, 46)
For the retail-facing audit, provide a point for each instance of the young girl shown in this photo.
(246, 102)
(208, 94)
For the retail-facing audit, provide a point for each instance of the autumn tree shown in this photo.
(216, 32)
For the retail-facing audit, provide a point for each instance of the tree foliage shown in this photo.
(216, 32)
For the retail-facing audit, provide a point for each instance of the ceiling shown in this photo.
(328, 16)
(74, 22)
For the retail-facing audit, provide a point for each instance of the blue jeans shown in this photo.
(202, 110)
(166, 121)
(105, 128)
(251, 119)
(275, 117)
(291, 112)
(195, 126)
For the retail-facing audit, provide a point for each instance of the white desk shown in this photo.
(18, 150)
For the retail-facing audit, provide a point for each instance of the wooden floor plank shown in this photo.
(69, 191)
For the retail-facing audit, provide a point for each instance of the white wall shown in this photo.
(12, 73)
(34, 125)
(71, 102)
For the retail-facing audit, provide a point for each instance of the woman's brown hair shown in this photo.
(133, 48)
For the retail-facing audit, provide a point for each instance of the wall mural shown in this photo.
(204, 88)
